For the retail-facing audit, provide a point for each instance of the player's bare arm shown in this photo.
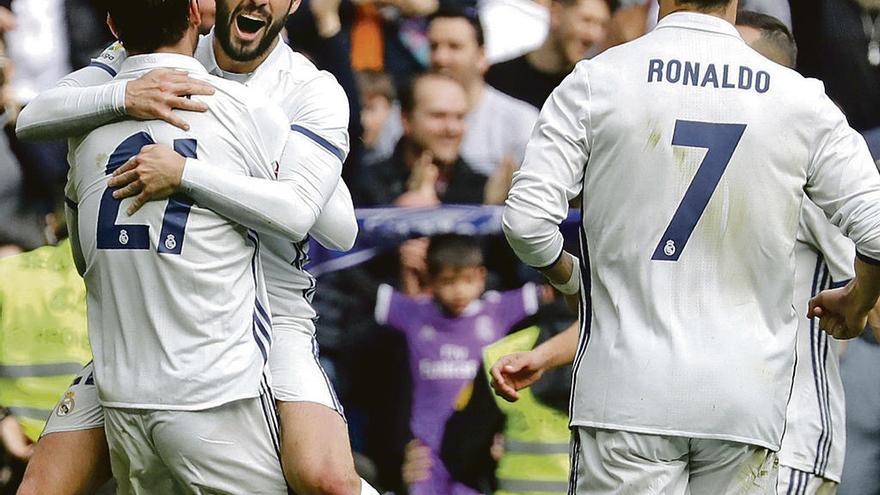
(517, 371)
(843, 312)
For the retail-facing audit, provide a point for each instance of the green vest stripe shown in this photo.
(526, 486)
(31, 412)
(518, 447)
(39, 370)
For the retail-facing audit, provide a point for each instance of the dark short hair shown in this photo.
(468, 14)
(453, 251)
(408, 93)
(374, 83)
(146, 25)
(705, 4)
(773, 31)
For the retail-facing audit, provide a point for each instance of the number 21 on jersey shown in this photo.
(111, 235)
(721, 141)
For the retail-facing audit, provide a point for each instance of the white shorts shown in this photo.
(795, 482)
(230, 449)
(620, 462)
(297, 374)
(79, 408)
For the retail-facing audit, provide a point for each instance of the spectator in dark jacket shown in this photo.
(426, 168)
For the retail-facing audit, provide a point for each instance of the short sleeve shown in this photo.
(516, 305)
(393, 308)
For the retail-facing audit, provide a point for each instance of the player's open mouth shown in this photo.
(249, 26)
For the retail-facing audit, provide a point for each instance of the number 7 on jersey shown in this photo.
(720, 140)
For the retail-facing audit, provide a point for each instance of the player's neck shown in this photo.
(228, 64)
(186, 46)
(727, 13)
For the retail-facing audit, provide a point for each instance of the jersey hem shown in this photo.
(835, 477)
(678, 433)
(176, 407)
(70, 429)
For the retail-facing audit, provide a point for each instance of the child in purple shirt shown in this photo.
(445, 335)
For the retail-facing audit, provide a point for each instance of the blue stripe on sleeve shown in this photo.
(103, 66)
(327, 145)
(71, 203)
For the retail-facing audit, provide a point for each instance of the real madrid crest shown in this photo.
(67, 404)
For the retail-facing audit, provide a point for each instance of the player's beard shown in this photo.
(223, 31)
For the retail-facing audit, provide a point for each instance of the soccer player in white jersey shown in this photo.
(693, 154)
(316, 452)
(176, 298)
(811, 456)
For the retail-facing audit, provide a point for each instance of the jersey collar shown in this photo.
(700, 22)
(150, 61)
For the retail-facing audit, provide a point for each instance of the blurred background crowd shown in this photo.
(443, 97)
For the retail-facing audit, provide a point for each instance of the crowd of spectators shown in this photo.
(443, 96)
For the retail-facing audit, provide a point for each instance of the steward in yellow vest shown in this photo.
(512, 448)
(44, 338)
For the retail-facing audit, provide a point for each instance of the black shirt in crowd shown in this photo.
(381, 184)
(520, 80)
(832, 38)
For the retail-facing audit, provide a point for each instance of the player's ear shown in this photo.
(195, 13)
(111, 26)
(294, 5)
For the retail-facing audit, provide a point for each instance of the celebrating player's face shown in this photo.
(247, 28)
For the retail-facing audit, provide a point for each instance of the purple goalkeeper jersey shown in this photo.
(444, 355)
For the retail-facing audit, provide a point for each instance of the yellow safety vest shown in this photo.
(44, 338)
(536, 436)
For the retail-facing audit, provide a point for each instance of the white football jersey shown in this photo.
(693, 153)
(815, 434)
(317, 110)
(178, 313)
